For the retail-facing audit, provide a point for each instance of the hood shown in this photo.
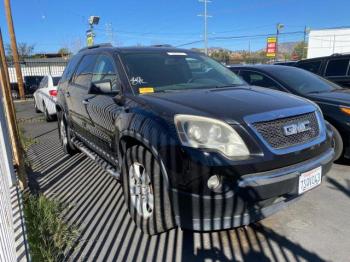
(228, 104)
(336, 97)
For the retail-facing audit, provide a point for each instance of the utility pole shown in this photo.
(306, 31)
(206, 16)
(9, 108)
(14, 48)
(110, 33)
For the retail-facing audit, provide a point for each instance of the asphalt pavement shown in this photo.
(315, 228)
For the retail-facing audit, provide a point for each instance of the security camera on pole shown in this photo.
(90, 35)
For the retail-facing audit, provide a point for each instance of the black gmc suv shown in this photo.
(334, 68)
(191, 143)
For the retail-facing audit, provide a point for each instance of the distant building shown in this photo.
(330, 41)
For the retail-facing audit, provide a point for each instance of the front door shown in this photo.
(102, 109)
(77, 94)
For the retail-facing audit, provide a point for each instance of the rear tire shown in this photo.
(337, 143)
(36, 107)
(146, 194)
(65, 136)
(48, 117)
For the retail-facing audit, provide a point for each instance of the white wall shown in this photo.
(328, 41)
(54, 70)
(7, 180)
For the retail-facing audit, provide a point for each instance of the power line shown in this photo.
(240, 37)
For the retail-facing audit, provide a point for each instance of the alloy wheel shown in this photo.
(140, 190)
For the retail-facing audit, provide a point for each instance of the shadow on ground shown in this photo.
(107, 233)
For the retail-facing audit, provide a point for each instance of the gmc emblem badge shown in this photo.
(296, 128)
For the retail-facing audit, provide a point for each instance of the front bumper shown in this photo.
(254, 197)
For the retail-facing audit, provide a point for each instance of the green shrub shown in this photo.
(48, 234)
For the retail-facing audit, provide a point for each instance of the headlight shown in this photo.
(345, 110)
(203, 132)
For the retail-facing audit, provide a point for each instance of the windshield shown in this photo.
(55, 80)
(304, 82)
(165, 71)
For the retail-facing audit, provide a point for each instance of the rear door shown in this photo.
(77, 91)
(39, 93)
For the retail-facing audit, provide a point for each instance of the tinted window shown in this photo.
(176, 71)
(257, 79)
(303, 82)
(313, 66)
(69, 70)
(105, 70)
(234, 70)
(83, 74)
(43, 82)
(55, 80)
(337, 67)
(32, 80)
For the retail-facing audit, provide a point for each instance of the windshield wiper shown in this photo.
(316, 92)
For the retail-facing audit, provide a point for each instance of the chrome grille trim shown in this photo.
(272, 131)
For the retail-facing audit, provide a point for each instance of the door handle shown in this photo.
(85, 102)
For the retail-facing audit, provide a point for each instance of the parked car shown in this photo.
(334, 68)
(191, 143)
(31, 84)
(333, 100)
(45, 97)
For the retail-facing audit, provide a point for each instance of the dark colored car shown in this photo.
(191, 143)
(331, 98)
(31, 84)
(334, 68)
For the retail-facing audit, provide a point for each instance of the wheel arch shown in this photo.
(128, 139)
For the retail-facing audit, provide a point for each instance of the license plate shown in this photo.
(310, 179)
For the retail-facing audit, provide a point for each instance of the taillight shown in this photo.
(53, 92)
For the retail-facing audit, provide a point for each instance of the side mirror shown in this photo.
(101, 87)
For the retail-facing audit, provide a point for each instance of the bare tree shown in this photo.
(24, 50)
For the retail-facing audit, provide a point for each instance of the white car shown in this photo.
(45, 96)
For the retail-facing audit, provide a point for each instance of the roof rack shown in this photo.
(96, 46)
(340, 54)
(162, 45)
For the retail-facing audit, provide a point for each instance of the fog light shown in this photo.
(214, 182)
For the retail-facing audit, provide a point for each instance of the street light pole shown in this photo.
(14, 49)
(279, 27)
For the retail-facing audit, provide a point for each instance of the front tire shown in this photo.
(337, 143)
(145, 192)
(64, 135)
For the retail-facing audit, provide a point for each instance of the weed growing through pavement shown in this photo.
(49, 235)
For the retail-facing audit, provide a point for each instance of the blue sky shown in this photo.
(54, 24)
